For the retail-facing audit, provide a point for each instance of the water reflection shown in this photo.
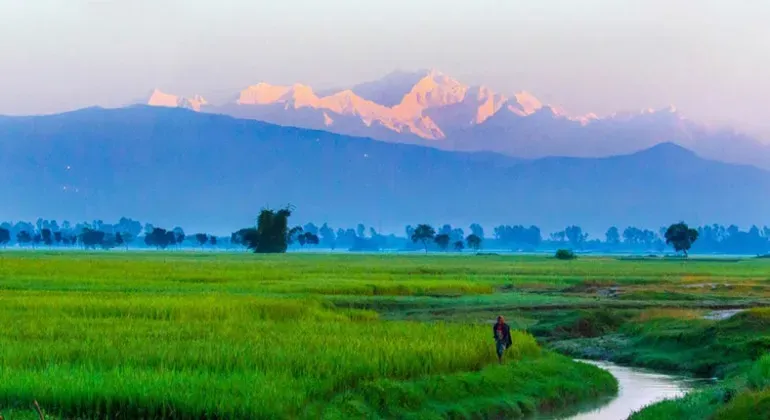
(637, 388)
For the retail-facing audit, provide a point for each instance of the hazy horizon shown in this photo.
(592, 56)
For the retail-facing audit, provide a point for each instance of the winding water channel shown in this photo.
(637, 388)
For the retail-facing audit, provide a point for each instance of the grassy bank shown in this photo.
(683, 341)
(672, 340)
(745, 395)
(178, 335)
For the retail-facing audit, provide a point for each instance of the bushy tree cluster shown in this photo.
(518, 236)
(273, 233)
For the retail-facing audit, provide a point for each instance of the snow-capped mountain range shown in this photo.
(432, 108)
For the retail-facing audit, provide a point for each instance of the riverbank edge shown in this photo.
(542, 385)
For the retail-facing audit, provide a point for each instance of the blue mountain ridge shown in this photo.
(212, 172)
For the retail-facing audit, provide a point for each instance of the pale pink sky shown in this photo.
(708, 57)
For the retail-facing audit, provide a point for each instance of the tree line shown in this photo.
(272, 232)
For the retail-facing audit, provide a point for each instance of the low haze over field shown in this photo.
(706, 57)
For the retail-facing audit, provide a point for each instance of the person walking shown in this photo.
(502, 334)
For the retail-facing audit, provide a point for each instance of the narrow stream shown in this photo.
(637, 388)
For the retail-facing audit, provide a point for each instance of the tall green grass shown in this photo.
(77, 354)
(175, 335)
(212, 335)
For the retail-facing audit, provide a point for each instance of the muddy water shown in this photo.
(637, 389)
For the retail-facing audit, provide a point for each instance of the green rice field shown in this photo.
(215, 335)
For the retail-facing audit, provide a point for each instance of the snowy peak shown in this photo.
(427, 104)
(435, 90)
(390, 90)
(526, 103)
(487, 103)
(160, 98)
(261, 94)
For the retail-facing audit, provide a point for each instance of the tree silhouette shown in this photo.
(129, 228)
(328, 237)
(301, 239)
(91, 238)
(170, 238)
(459, 246)
(271, 234)
(518, 236)
(294, 234)
(178, 236)
(612, 236)
(474, 241)
(127, 238)
(238, 238)
(23, 237)
(202, 239)
(310, 227)
(477, 230)
(558, 236)
(119, 241)
(308, 238)
(575, 236)
(5, 237)
(159, 238)
(681, 237)
(47, 236)
(58, 237)
(37, 238)
(213, 240)
(442, 240)
(423, 233)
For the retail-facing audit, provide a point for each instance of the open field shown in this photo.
(234, 336)
(192, 335)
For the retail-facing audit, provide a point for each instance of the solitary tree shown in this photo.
(213, 240)
(681, 237)
(474, 241)
(271, 235)
(423, 233)
(442, 240)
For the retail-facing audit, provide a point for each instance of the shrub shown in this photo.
(565, 254)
